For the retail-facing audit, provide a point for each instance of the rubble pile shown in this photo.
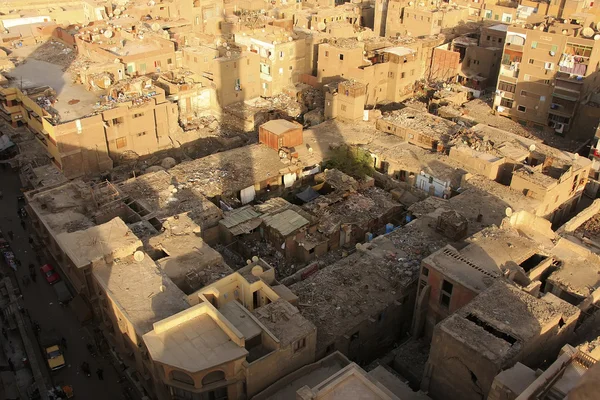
(54, 52)
(416, 245)
(591, 228)
(421, 122)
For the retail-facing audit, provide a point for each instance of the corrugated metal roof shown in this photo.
(285, 222)
(279, 126)
(238, 216)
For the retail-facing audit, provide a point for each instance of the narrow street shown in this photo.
(54, 319)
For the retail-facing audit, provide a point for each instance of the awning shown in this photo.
(308, 194)
(245, 227)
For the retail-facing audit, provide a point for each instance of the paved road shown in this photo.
(40, 300)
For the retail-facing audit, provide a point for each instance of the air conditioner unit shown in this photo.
(559, 128)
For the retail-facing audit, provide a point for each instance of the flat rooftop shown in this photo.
(230, 171)
(284, 321)
(450, 262)
(310, 375)
(112, 239)
(35, 73)
(579, 271)
(498, 246)
(143, 293)
(192, 340)
(280, 126)
(133, 47)
(65, 208)
(502, 320)
(158, 193)
(348, 292)
(421, 122)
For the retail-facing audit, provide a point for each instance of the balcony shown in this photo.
(511, 71)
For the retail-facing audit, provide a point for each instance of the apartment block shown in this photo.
(248, 336)
(546, 73)
(422, 19)
(500, 327)
(282, 58)
(389, 72)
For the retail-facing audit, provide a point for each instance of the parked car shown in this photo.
(56, 360)
(50, 274)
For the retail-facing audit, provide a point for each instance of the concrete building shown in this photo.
(417, 19)
(560, 379)
(335, 377)
(554, 179)
(546, 74)
(132, 116)
(418, 128)
(388, 71)
(246, 336)
(282, 58)
(501, 326)
(359, 313)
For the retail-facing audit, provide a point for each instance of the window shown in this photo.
(446, 294)
(182, 377)
(281, 55)
(326, 54)
(412, 72)
(117, 121)
(507, 103)
(141, 134)
(343, 107)
(402, 75)
(531, 61)
(121, 142)
(534, 45)
(554, 49)
(212, 377)
(425, 271)
(488, 38)
(299, 344)
(169, 61)
(138, 115)
(341, 57)
(156, 64)
(496, 17)
(390, 74)
(506, 87)
(549, 65)
(521, 108)
(195, 59)
(265, 85)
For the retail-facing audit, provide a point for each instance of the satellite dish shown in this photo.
(254, 258)
(532, 148)
(138, 256)
(218, 42)
(576, 156)
(290, 39)
(155, 26)
(224, 44)
(108, 33)
(321, 26)
(228, 54)
(410, 3)
(118, 11)
(596, 37)
(508, 211)
(587, 32)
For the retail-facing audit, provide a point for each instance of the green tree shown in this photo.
(352, 161)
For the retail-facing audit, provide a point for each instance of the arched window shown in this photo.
(182, 377)
(213, 377)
